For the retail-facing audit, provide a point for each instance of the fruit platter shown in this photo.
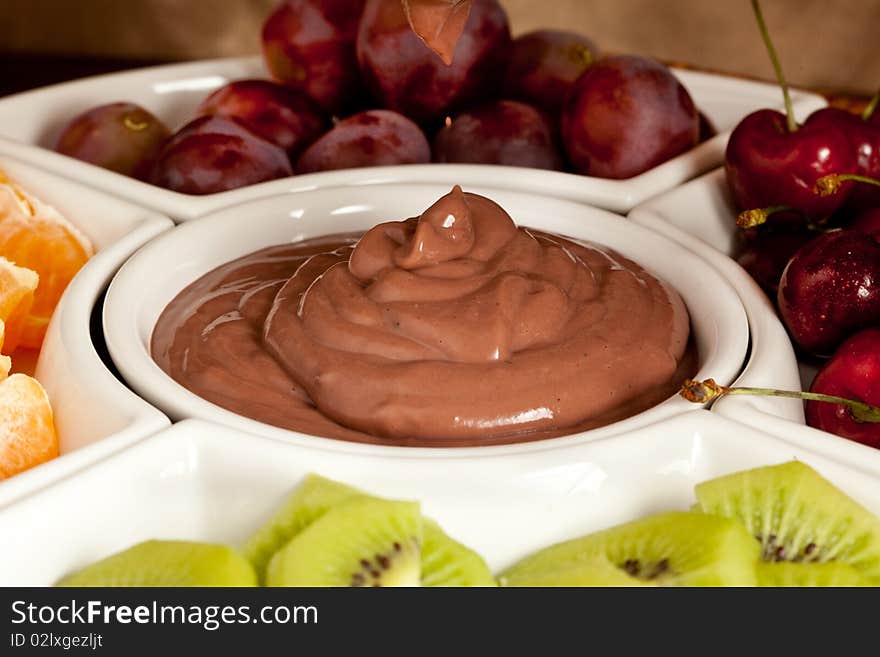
(363, 308)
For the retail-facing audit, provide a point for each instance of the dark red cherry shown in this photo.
(765, 253)
(769, 165)
(854, 373)
(867, 222)
(864, 137)
(771, 161)
(830, 289)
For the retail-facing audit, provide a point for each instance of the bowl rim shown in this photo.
(768, 334)
(129, 348)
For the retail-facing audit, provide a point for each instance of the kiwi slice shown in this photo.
(787, 573)
(168, 563)
(595, 570)
(797, 516)
(362, 542)
(312, 499)
(668, 549)
(446, 562)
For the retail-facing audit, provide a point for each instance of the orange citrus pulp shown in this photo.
(17, 290)
(5, 361)
(35, 236)
(27, 428)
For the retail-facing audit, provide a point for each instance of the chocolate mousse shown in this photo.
(449, 329)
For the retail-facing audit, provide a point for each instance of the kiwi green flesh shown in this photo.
(168, 563)
(596, 570)
(797, 516)
(362, 542)
(786, 573)
(446, 562)
(312, 499)
(667, 549)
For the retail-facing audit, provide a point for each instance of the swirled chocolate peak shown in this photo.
(459, 325)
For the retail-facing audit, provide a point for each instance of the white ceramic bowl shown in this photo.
(700, 215)
(94, 412)
(31, 121)
(184, 254)
(203, 482)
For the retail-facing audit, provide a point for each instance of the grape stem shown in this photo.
(872, 105)
(134, 125)
(701, 392)
(774, 59)
(830, 184)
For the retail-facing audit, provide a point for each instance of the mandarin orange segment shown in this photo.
(17, 290)
(5, 361)
(35, 235)
(27, 427)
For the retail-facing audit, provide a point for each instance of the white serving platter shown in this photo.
(31, 121)
(184, 254)
(203, 482)
(95, 413)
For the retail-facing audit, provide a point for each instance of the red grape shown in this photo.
(309, 45)
(502, 132)
(626, 115)
(371, 138)
(215, 154)
(544, 64)
(408, 77)
(272, 111)
(122, 137)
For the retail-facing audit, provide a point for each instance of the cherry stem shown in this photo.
(774, 59)
(872, 105)
(701, 392)
(758, 216)
(830, 184)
